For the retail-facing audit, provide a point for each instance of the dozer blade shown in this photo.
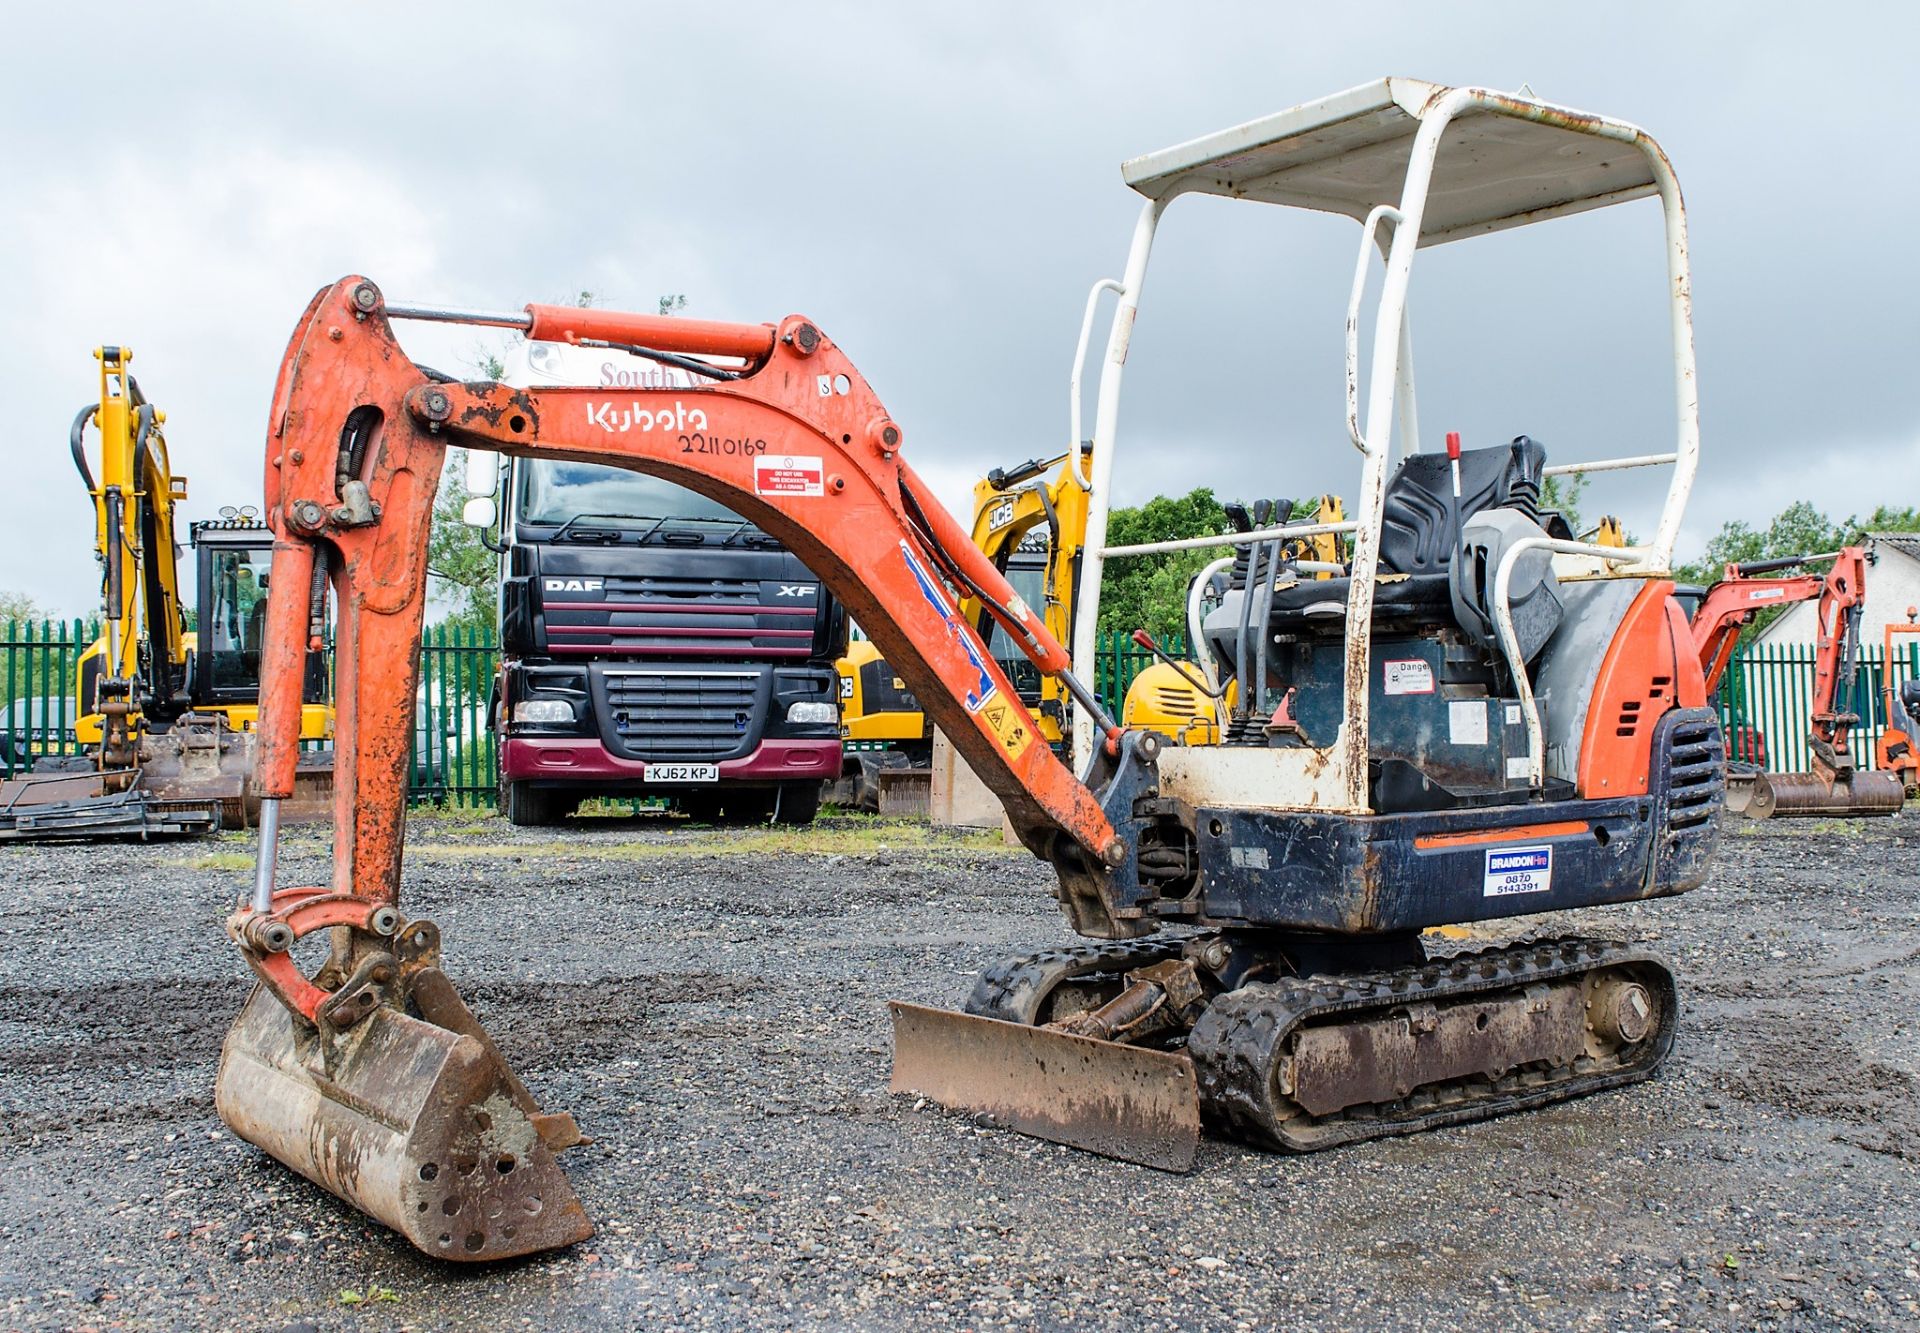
(1127, 1102)
(412, 1123)
(1865, 793)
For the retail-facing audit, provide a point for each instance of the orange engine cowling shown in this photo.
(1650, 666)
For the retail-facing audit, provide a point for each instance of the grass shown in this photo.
(218, 861)
(867, 837)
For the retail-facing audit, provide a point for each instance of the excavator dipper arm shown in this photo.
(370, 1076)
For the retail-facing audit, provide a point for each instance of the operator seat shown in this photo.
(1417, 536)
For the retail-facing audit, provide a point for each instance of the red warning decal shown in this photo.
(788, 474)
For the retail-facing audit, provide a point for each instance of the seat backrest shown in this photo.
(1416, 536)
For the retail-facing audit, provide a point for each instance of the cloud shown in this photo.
(161, 257)
(938, 189)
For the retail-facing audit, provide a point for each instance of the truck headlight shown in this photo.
(813, 712)
(543, 710)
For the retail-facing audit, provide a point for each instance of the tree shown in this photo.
(1150, 591)
(1799, 529)
(19, 606)
(1562, 493)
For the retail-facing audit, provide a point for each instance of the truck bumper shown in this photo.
(585, 760)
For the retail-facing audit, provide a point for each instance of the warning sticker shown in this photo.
(788, 474)
(1513, 870)
(1008, 722)
(1408, 676)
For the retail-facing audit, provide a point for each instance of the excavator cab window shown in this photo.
(233, 621)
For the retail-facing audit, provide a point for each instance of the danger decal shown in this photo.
(1407, 676)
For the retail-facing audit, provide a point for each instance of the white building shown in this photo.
(1893, 591)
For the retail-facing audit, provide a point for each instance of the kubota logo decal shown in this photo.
(983, 688)
(617, 420)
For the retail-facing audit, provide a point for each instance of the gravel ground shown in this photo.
(710, 1007)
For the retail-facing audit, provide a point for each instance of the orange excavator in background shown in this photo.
(1898, 749)
(1835, 786)
(1443, 731)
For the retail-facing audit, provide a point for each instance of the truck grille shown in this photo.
(673, 617)
(681, 715)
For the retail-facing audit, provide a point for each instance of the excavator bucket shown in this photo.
(1127, 1102)
(1862, 793)
(414, 1120)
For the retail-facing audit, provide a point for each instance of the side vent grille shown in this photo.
(1178, 701)
(1696, 769)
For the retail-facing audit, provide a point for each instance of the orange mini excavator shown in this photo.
(1478, 717)
(1835, 785)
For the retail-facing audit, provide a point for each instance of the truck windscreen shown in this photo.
(553, 492)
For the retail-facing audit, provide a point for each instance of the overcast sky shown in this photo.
(938, 190)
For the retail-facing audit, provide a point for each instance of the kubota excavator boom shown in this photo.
(333, 1073)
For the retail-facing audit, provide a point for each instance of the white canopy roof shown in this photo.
(1349, 152)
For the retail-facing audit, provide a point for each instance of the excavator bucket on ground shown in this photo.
(1807, 795)
(415, 1120)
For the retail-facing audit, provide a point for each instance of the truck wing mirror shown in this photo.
(479, 512)
(483, 473)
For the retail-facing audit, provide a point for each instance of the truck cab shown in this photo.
(653, 642)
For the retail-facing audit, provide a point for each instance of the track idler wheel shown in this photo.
(375, 1081)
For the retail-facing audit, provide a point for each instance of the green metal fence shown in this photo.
(455, 760)
(38, 659)
(1763, 701)
(1117, 661)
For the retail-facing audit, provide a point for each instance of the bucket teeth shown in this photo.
(417, 1125)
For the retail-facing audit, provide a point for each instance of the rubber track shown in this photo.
(1014, 990)
(1240, 1036)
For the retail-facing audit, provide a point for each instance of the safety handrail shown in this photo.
(1115, 286)
(1610, 464)
(1510, 638)
(1358, 295)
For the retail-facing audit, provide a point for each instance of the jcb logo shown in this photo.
(574, 585)
(846, 687)
(795, 590)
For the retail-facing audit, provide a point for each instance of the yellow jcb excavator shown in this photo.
(164, 723)
(1032, 531)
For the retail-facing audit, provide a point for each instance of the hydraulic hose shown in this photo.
(77, 441)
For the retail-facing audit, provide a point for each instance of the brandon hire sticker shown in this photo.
(1513, 870)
